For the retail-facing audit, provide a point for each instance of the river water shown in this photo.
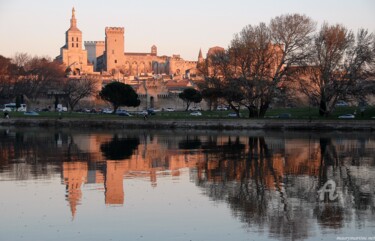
(59, 184)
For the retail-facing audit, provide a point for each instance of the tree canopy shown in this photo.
(189, 96)
(119, 94)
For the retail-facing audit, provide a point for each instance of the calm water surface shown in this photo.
(185, 185)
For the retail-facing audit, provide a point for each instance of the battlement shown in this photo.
(120, 30)
(94, 43)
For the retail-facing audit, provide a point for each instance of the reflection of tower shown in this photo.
(114, 188)
(74, 174)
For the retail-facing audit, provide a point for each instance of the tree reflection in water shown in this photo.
(269, 181)
(276, 188)
(119, 148)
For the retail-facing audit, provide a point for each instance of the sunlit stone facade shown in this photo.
(72, 54)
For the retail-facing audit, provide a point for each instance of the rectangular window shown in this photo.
(72, 38)
(72, 45)
(115, 61)
(77, 45)
(77, 39)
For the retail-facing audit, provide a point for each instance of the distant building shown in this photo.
(108, 61)
(71, 54)
(110, 56)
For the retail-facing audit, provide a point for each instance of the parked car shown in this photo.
(107, 111)
(196, 113)
(119, 111)
(195, 108)
(142, 112)
(124, 114)
(31, 113)
(232, 114)
(220, 107)
(151, 112)
(12, 107)
(169, 109)
(284, 116)
(347, 116)
(341, 103)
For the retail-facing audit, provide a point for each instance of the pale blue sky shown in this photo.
(176, 27)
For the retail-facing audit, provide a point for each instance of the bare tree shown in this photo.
(263, 57)
(78, 89)
(8, 74)
(339, 61)
(41, 74)
(21, 59)
(253, 58)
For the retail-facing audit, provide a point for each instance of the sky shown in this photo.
(176, 27)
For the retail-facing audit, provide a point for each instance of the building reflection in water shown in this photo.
(267, 179)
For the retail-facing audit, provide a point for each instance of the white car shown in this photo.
(107, 111)
(196, 113)
(221, 108)
(341, 103)
(169, 109)
(347, 116)
(195, 108)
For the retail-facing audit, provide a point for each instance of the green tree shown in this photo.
(189, 96)
(119, 94)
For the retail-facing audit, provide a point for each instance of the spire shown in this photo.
(200, 56)
(73, 20)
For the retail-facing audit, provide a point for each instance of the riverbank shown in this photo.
(213, 124)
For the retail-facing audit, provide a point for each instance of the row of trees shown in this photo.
(28, 76)
(27, 79)
(268, 61)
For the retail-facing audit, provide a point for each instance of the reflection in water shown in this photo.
(119, 148)
(269, 181)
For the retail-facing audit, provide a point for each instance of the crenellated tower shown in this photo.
(114, 46)
(94, 50)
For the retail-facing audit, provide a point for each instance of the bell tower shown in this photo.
(72, 54)
(73, 37)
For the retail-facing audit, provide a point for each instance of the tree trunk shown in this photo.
(237, 110)
(187, 105)
(253, 112)
(115, 107)
(323, 107)
(263, 109)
